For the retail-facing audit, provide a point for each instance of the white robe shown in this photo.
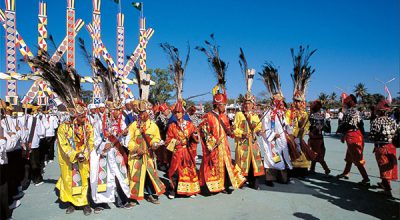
(113, 171)
(280, 144)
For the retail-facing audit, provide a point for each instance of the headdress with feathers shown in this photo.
(105, 75)
(136, 71)
(248, 73)
(176, 66)
(271, 79)
(216, 63)
(63, 80)
(302, 71)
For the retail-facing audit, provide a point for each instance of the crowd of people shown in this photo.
(110, 153)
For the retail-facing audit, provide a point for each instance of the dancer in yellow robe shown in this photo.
(75, 141)
(144, 138)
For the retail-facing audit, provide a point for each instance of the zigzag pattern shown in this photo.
(42, 30)
(71, 37)
(11, 55)
(120, 50)
(147, 34)
(64, 44)
(97, 91)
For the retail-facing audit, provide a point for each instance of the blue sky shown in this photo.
(357, 40)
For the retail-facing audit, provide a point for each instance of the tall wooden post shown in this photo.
(96, 24)
(11, 54)
(71, 33)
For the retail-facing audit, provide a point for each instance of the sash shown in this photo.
(102, 174)
(33, 128)
(275, 156)
(76, 176)
(102, 167)
(227, 132)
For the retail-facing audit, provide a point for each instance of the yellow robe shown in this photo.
(247, 151)
(139, 166)
(66, 157)
(292, 120)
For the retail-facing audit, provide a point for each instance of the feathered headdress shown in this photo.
(271, 80)
(248, 73)
(216, 63)
(105, 75)
(136, 71)
(64, 80)
(176, 66)
(302, 72)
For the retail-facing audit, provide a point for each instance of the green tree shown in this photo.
(323, 98)
(333, 97)
(161, 91)
(372, 99)
(87, 96)
(208, 106)
(360, 91)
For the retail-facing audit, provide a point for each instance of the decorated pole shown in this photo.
(42, 36)
(142, 55)
(120, 43)
(121, 54)
(96, 49)
(71, 33)
(11, 55)
(42, 27)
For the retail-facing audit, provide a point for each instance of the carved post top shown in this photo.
(120, 19)
(42, 9)
(96, 6)
(71, 4)
(10, 5)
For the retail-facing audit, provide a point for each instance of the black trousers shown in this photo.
(43, 149)
(4, 210)
(36, 169)
(46, 147)
(15, 173)
(50, 147)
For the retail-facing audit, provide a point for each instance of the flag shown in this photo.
(137, 5)
(389, 96)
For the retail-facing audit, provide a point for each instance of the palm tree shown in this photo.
(333, 97)
(360, 90)
(323, 98)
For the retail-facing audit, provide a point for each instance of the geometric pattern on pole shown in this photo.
(11, 55)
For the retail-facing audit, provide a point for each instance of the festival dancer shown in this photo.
(247, 127)
(144, 139)
(277, 160)
(383, 131)
(316, 138)
(352, 128)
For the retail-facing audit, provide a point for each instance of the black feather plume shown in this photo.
(271, 79)
(302, 70)
(214, 60)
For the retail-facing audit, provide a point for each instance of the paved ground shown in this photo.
(315, 198)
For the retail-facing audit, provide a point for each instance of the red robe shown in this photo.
(355, 147)
(387, 161)
(182, 160)
(217, 154)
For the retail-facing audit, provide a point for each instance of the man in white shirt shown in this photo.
(11, 128)
(36, 132)
(5, 212)
(50, 123)
(92, 116)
